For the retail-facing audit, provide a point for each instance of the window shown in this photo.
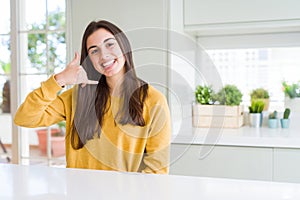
(258, 67)
(5, 69)
(42, 42)
(41, 51)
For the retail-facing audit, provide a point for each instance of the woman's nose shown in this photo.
(105, 53)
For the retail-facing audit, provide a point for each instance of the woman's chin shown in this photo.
(114, 71)
(109, 73)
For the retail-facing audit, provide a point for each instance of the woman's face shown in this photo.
(105, 53)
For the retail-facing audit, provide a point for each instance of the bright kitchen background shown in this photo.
(248, 65)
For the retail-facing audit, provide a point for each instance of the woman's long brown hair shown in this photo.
(93, 101)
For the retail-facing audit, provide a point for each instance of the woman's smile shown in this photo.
(108, 64)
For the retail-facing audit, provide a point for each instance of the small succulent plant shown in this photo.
(286, 113)
(273, 115)
(257, 106)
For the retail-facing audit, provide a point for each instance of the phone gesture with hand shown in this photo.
(74, 74)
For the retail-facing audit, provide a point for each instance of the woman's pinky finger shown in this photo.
(92, 82)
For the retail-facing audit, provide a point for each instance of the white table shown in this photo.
(39, 182)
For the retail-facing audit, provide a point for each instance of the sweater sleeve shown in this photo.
(156, 158)
(42, 107)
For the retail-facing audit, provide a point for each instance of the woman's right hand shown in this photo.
(73, 74)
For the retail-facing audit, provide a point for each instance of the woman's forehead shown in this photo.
(99, 36)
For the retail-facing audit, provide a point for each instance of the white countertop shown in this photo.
(244, 136)
(247, 136)
(46, 183)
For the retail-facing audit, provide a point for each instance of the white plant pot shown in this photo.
(255, 119)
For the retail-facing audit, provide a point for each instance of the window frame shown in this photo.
(20, 143)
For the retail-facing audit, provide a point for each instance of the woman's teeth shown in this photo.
(108, 63)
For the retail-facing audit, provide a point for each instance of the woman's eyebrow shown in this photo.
(93, 46)
(108, 39)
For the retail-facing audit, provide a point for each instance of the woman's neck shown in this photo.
(114, 83)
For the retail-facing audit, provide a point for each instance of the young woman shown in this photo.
(114, 120)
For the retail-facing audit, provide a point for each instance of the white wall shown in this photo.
(142, 21)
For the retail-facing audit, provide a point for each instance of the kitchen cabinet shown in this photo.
(287, 165)
(243, 153)
(238, 162)
(223, 161)
(236, 16)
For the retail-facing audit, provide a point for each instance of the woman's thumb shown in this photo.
(75, 59)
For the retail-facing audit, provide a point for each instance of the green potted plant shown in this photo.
(261, 94)
(255, 113)
(220, 109)
(57, 139)
(204, 94)
(292, 95)
(285, 121)
(273, 121)
(291, 90)
(229, 95)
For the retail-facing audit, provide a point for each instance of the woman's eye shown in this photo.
(95, 51)
(110, 45)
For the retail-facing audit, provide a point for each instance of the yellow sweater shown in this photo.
(120, 147)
